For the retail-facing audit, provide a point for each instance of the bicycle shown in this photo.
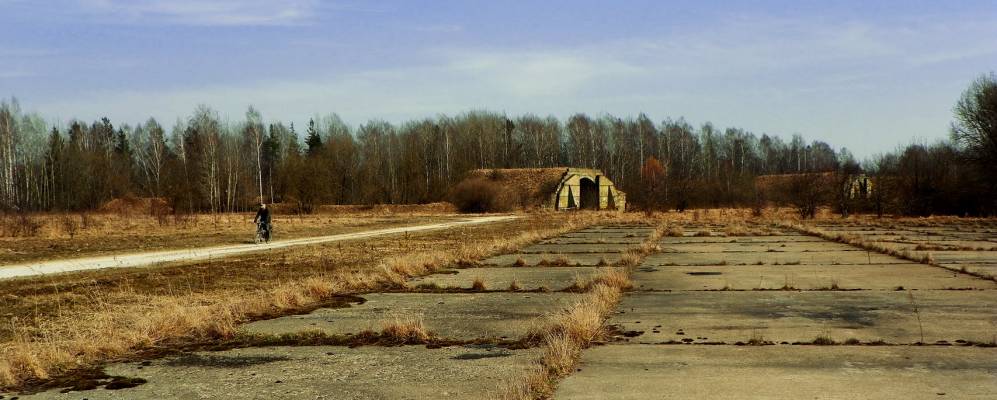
(263, 233)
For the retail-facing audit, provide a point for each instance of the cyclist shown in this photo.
(263, 220)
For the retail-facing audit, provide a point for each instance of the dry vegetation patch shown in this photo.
(861, 242)
(34, 237)
(68, 322)
(561, 337)
(564, 334)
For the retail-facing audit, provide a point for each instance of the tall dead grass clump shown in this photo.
(20, 225)
(616, 278)
(564, 334)
(405, 330)
(629, 258)
(736, 229)
(675, 231)
(69, 225)
(318, 287)
(561, 337)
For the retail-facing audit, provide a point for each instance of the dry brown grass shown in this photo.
(115, 319)
(675, 231)
(64, 235)
(405, 330)
(736, 229)
(67, 322)
(563, 335)
(612, 277)
(858, 241)
(478, 284)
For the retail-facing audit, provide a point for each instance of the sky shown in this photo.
(863, 75)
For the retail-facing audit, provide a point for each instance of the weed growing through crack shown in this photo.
(478, 284)
(824, 339)
(917, 313)
(674, 231)
(756, 339)
(564, 334)
(430, 286)
(405, 330)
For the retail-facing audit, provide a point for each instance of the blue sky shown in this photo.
(858, 75)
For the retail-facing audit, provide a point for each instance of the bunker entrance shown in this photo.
(589, 194)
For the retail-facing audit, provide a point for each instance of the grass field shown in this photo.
(64, 323)
(109, 233)
(61, 322)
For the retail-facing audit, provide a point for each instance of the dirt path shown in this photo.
(152, 258)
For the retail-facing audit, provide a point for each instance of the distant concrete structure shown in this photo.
(590, 189)
(853, 187)
(558, 188)
(858, 187)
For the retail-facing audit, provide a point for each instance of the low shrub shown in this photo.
(481, 195)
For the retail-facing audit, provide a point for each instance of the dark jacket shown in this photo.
(263, 215)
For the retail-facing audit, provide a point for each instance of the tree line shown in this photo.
(957, 176)
(202, 163)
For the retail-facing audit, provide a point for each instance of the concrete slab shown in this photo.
(959, 231)
(804, 277)
(782, 372)
(321, 372)
(939, 245)
(583, 234)
(872, 232)
(757, 247)
(986, 269)
(619, 228)
(740, 239)
(961, 257)
(464, 316)
(642, 231)
(579, 259)
(779, 316)
(766, 258)
(527, 278)
(575, 248)
(594, 239)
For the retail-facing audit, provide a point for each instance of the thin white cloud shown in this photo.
(863, 85)
(21, 53)
(205, 12)
(444, 28)
(516, 80)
